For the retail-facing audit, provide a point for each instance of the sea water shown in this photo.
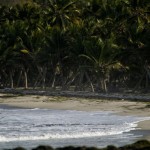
(32, 127)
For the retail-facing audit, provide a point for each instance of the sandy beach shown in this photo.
(122, 107)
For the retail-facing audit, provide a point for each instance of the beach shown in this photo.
(120, 107)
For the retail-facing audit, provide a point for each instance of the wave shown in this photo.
(58, 136)
(128, 127)
(37, 124)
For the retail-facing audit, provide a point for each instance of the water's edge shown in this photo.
(32, 127)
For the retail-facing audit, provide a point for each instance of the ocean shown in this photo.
(58, 128)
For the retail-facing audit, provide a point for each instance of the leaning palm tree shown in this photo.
(100, 55)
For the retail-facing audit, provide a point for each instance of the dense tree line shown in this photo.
(97, 45)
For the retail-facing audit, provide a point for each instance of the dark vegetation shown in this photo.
(139, 145)
(14, 2)
(96, 45)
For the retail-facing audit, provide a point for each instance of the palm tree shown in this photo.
(100, 55)
(132, 37)
(62, 13)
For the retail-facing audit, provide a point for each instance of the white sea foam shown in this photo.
(43, 124)
(59, 136)
(56, 136)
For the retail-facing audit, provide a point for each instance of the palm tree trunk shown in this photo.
(147, 76)
(53, 81)
(19, 78)
(36, 82)
(79, 85)
(44, 70)
(103, 84)
(26, 79)
(139, 83)
(92, 87)
(71, 80)
(11, 80)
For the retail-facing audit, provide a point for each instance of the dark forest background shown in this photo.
(93, 45)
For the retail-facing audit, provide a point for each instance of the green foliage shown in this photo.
(14, 2)
(73, 42)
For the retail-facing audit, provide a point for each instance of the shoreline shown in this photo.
(81, 94)
(139, 108)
